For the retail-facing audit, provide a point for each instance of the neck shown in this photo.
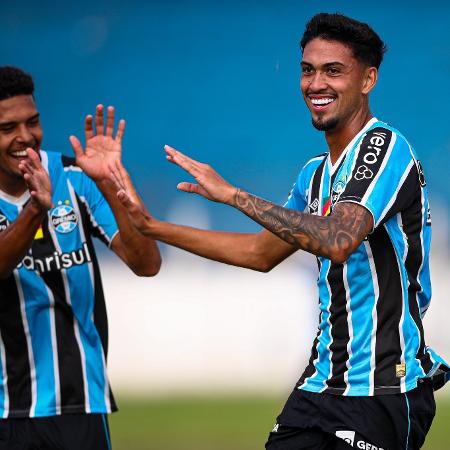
(13, 186)
(340, 137)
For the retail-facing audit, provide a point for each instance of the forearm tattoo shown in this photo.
(341, 232)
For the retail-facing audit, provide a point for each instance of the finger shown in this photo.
(99, 120)
(120, 131)
(88, 127)
(191, 188)
(76, 145)
(109, 121)
(190, 165)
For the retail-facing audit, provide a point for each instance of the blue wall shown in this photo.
(219, 80)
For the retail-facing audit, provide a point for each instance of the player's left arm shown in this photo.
(335, 236)
(102, 153)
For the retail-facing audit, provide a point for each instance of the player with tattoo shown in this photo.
(362, 209)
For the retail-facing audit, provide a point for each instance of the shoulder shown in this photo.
(384, 136)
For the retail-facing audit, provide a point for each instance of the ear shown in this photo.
(370, 79)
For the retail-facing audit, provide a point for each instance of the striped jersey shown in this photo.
(53, 325)
(370, 338)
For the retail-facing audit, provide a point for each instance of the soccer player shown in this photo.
(362, 209)
(54, 391)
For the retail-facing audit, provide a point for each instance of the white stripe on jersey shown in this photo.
(76, 328)
(92, 219)
(91, 273)
(5, 379)
(54, 347)
(29, 344)
(350, 327)
(397, 190)
(330, 373)
(373, 337)
(402, 317)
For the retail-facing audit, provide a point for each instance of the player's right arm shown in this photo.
(16, 240)
(258, 251)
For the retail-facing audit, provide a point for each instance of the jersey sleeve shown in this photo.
(102, 223)
(297, 198)
(377, 180)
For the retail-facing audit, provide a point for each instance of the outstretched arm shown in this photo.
(102, 154)
(257, 251)
(18, 237)
(334, 237)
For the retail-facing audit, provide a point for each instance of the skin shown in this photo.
(330, 72)
(21, 171)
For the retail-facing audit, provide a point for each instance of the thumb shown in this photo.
(76, 145)
(191, 188)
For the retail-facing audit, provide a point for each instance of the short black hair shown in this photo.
(14, 81)
(366, 45)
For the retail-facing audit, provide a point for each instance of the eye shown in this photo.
(333, 71)
(306, 70)
(34, 121)
(7, 128)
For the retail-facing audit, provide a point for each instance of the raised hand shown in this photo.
(210, 184)
(103, 150)
(137, 213)
(37, 180)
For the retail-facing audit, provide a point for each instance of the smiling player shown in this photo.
(54, 391)
(362, 209)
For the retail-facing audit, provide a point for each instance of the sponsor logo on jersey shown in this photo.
(63, 218)
(363, 172)
(347, 436)
(3, 222)
(428, 216)
(377, 140)
(57, 261)
(400, 370)
(313, 206)
(338, 188)
(39, 233)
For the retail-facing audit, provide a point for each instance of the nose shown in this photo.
(317, 82)
(24, 135)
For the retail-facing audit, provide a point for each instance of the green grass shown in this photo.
(234, 423)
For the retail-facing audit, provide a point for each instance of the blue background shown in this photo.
(219, 81)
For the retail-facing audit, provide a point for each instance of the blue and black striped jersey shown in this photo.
(53, 325)
(370, 338)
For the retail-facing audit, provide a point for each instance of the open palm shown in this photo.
(102, 150)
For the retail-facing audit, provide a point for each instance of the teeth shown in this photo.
(21, 153)
(321, 101)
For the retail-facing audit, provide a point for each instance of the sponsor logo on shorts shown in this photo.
(63, 218)
(367, 446)
(3, 222)
(347, 436)
(275, 428)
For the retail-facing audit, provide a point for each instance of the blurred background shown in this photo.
(204, 355)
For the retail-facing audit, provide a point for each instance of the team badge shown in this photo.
(64, 219)
(3, 222)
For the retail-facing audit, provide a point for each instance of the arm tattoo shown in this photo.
(337, 234)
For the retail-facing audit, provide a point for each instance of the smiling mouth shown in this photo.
(321, 103)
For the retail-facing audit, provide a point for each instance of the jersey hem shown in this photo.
(72, 409)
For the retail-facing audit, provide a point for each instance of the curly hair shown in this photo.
(366, 45)
(14, 81)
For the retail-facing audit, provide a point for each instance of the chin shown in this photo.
(325, 125)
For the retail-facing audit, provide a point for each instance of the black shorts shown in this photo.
(382, 422)
(65, 432)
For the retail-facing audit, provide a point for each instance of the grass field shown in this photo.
(234, 423)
